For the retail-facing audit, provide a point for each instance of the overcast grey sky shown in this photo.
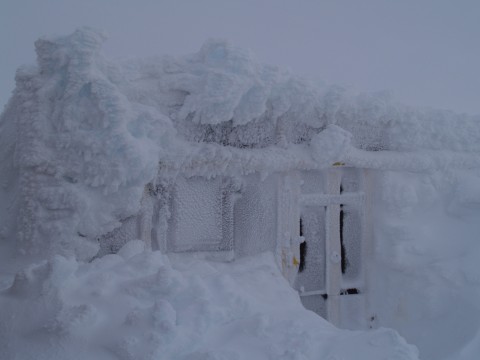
(427, 52)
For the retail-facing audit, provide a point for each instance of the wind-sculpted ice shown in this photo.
(82, 136)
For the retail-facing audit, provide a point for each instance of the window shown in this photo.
(201, 216)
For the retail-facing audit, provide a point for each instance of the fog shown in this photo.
(425, 52)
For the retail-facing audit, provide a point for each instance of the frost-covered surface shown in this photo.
(82, 152)
(82, 137)
(141, 305)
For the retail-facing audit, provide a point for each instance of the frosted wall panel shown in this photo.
(255, 215)
(196, 215)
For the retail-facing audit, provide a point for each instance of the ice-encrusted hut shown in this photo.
(228, 203)
(212, 153)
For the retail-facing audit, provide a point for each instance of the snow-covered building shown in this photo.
(312, 217)
(212, 153)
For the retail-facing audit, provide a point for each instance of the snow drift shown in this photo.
(141, 305)
(427, 279)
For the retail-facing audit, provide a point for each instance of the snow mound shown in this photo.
(232, 85)
(427, 279)
(147, 306)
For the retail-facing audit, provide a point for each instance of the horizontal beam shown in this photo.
(349, 291)
(353, 198)
(312, 293)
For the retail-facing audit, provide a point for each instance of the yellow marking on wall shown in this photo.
(295, 261)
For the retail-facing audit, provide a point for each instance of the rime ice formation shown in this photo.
(83, 141)
(81, 136)
(77, 151)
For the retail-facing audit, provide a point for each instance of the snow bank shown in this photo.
(426, 278)
(143, 305)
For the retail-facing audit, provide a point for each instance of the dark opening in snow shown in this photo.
(343, 250)
(352, 291)
(303, 250)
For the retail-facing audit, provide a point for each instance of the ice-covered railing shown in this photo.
(81, 136)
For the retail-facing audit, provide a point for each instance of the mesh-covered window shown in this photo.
(200, 218)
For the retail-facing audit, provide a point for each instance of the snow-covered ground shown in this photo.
(144, 305)
(82, 136)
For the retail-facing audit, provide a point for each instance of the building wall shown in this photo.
(255, 216)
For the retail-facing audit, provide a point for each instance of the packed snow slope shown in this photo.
(141, 305)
